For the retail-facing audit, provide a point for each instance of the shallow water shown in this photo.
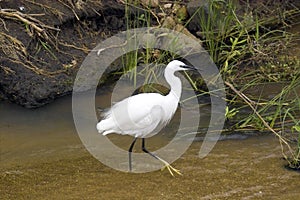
(42, 157)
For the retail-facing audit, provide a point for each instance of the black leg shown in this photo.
(129, 151)
(148, 152)
(167, 165)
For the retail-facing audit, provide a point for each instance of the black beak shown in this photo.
(188, 67)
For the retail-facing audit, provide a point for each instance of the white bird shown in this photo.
(144, 115)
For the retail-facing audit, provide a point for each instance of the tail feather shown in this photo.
(104, 127)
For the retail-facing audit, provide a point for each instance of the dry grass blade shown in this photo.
(50, 9)
(17, 53)
(12, 43)
(37, 26)
(7, 70)
(71, 6)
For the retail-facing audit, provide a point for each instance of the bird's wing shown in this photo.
(137, 113)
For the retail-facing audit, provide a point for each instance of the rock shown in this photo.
(200, 9)
(175, 8)
(167, 6)
(150, 3)
(161, 15)
(185, 45)
(169, 22)
(182, 29)
(193, 9)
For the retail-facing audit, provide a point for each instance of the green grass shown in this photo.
(249, 53)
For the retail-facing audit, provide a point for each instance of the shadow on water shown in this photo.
(42, 156)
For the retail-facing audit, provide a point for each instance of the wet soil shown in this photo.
(43, 44)
(38, 67)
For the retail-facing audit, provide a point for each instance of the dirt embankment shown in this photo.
(42, 44)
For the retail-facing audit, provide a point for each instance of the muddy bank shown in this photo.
(43, 45)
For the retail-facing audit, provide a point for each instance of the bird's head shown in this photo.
(177, 65)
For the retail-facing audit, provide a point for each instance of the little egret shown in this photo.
(144, 115)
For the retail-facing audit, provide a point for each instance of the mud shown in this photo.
(38, 67)
(43, 44)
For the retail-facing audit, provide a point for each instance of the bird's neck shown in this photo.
(175, 84)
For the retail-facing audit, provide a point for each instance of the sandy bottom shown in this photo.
(235, 169)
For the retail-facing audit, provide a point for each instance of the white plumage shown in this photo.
(140, 116)
(144, 115)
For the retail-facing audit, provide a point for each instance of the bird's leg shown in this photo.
(129, 152)
(167, 165)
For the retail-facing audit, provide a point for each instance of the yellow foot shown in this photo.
(171, 169)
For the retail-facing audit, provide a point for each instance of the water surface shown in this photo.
(42, 157)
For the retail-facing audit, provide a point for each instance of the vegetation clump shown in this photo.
(250, 45)
(252, 50)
